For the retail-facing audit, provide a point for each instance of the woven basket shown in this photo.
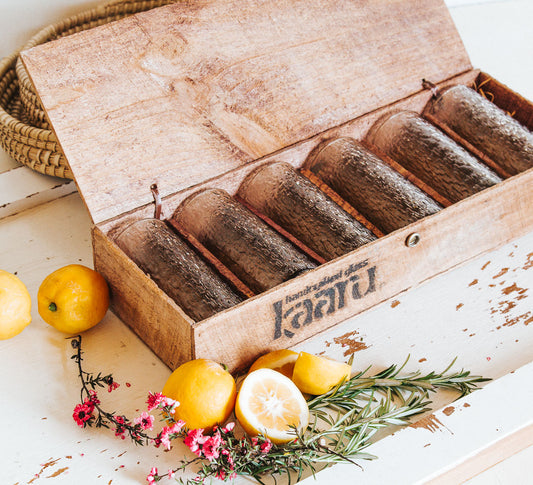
(24, 131)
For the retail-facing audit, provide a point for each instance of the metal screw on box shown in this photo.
(412, 240)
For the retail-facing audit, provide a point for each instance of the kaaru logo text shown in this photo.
(327, 296)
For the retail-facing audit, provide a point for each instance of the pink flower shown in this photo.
(165, 437)
(145, 420)
(82, 414)
(229, 428)
(120, 430)
(211, 446)
(266, 447)
(112, 385)
(177, 426)
(157, 441)
(151, 476)
(194, 439)
(171, 473)
(169, 403)
(92, 399)
(229, 459)
(154, 400)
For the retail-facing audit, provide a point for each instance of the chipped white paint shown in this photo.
(22, 188)
(450, 445)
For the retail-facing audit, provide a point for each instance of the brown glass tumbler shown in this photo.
(278, 191)
(176, 268)
(485, 126)
(381, 194)
(431, 155)
(249, 247)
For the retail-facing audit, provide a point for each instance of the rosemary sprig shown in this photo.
(358, 388)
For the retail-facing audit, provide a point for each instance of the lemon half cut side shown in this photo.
(270, 404)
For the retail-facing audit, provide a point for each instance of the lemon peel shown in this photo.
(318, 375)
(205, 391)
(15, 305)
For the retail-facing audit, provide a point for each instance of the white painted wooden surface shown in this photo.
(481, 312)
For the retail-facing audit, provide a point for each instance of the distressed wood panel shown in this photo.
(182, 93)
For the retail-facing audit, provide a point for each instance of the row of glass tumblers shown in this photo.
(262, 257)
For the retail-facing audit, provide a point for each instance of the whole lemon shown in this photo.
(205, 391)
(15, 305)
(73, 298)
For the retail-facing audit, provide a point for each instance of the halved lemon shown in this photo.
(279, 360)
(269, 403)
(318, 375)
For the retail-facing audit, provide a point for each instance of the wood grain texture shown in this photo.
(185, 92)
(505, 98)
(296, 156)
(382, 269)
(485, 458)
(369, 275)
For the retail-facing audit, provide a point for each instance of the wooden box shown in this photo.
(198, 94)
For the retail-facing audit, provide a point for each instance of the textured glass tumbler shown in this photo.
(381, 194)
(432, 156)
(485, 126)
(259, 256)
(279, 192)
(176, 268)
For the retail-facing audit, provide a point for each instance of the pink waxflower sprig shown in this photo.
(221, 454)
(89, 412)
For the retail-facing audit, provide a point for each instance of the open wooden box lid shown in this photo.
(186, 92)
